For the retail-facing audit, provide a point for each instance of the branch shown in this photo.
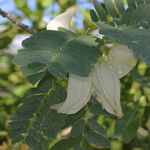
(15, 21)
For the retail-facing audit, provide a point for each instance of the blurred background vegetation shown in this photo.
(13, 87)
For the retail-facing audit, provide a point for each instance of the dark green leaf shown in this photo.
(120, 6)
(97, 139)
(58, 52)
(110, 6)
(77, 129)
(36, 78)
(136, 39)
(66, 144)
(136, 3)
(96, 109)
(33, 69)
(4, 42)
(93, 125)
(71, 119)
(100, 10)
(131, 3)
(126, 127)
(93, 15)
(35, 123)
(137, 14)
(137, 17)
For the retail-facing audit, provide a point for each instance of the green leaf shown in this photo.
(41, 47)
(136, 3)
(110, 6)
(93, 125)
(97, 139)
(93, 15)
(33, 69)
(45, 3)
(137, 13)
(72, 119)
(67, 144)
(128, 31)
(58, 52)
(36, 78)
(131, 3)
(96, 109)
(100, 10)
(126, 127)
(20, 3)
(43, 87)
(4, 41)
(34, 72)
(137, 17)
(136, 39)
(120, 6)
(35, 123)
(79, 56)
(77, 128)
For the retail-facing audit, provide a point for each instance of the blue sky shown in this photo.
(9, 6)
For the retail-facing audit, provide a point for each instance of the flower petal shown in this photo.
(107, 88)
(78, 94)
(122, 59)
(63, 20)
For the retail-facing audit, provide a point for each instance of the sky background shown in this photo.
(9, 6)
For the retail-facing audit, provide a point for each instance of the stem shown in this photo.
(15, 21)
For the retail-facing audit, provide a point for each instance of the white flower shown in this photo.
(78, 94)
(122, 59)
(107, 88)
(63, 20)
(105, 82)
(104, 79)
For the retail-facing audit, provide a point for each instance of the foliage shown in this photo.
(57, 52)
(45, 61)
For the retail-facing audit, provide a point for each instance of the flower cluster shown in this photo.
(103, 80)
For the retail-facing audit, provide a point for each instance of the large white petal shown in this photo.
(107, 87)
(78, 94)
(122, 59)
(63, 20)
